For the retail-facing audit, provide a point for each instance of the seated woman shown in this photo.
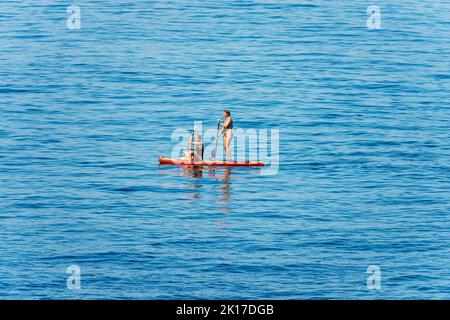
(199, 148)
(196, 149)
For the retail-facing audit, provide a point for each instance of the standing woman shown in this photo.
(227, 129)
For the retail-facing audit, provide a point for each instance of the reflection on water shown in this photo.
(223, 190)
(196, 173)
(193, 171)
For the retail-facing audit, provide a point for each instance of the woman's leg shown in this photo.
(227, 142)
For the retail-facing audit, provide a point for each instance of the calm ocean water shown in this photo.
(364, 143)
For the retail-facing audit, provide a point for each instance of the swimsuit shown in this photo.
(230, 126)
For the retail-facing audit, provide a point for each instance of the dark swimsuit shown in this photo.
(230, 126)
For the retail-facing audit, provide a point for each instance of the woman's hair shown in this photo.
(227, 112)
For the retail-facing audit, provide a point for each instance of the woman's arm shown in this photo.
(220, 132)
(224, 126)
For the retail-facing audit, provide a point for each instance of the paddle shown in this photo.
(189, 146)
(213, 155)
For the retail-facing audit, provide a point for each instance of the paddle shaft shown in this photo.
(217, 138)
(188, 148)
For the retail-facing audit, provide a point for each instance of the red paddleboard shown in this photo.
(211, 163)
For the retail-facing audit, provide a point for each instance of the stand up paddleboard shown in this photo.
(177, 162)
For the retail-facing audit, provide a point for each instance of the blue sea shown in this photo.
(364, 145)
